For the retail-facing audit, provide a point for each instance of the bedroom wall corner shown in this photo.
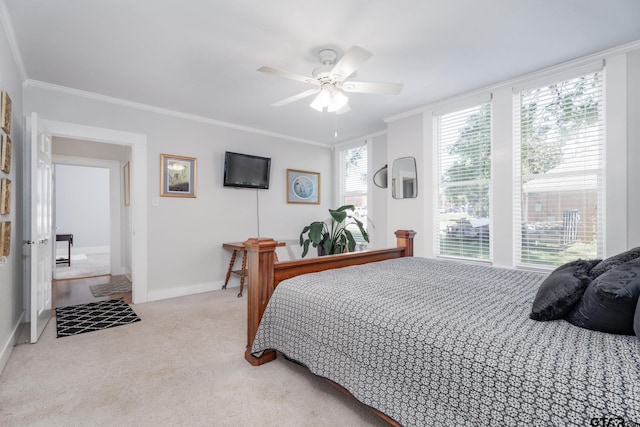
(12, 302)
(406, 137)
(377, 215)
(184, 236)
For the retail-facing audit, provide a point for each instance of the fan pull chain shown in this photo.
(335, 131)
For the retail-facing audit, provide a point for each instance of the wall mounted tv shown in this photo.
(246, 171)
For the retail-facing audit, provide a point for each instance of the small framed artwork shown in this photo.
(178, 176)
(127, 183)
(6, 112)
(5, 238)
(303, 187)
(5, 196)
(5, 154)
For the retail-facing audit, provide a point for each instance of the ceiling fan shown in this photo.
(331, 81)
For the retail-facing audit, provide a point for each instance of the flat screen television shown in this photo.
(246, 171)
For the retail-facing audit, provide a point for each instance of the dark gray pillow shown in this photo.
(561, 290)
(608, 263)
(609, 303)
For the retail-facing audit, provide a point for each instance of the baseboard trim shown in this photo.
(182, 291)
(7, 348)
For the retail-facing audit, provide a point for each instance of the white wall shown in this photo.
(633, 147)
(185, 252)
(82, 205)
(407, 138)
(11, 272)
(377, 212)
(412, 134)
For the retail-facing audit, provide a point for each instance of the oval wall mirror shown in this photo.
(404, 178)
(380, 177)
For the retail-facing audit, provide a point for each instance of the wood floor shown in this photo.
(68, 292)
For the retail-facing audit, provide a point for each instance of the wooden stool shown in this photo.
(235, 248)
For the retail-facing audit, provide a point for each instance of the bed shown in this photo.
(432, 342)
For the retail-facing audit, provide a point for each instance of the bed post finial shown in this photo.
(260, 260)
(404, 239)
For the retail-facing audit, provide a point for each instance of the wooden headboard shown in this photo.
(265, 274)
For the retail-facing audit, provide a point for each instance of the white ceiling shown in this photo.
(200, 56)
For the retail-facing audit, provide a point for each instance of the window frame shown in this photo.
(477, 102)
(599, 172)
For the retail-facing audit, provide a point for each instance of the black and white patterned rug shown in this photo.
(78, 319)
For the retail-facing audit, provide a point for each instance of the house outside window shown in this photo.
(463, 215)
(353, 185)
(559, 171)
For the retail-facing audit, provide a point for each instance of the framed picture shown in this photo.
(5, 238)
(303, 187)
(127, 183)
(5, 154)
(6, 112)
(178, 176)
(5, 196)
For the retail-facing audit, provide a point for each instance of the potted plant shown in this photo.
(332, 237)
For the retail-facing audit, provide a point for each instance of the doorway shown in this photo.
(88, 142)
(92, 221)
(82, 221)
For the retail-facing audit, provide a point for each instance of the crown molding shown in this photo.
(7, 24)
(359, 140)
(158, 110)
(545, 72)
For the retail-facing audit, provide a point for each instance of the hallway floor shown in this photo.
(76, 291)
(82, 265)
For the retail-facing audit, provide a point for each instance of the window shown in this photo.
(559, 172)
(353, 184)
(463, 216)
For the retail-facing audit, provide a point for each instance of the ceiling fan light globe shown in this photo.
(338, 100)
(321, 101)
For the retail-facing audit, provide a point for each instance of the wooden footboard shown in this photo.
(265, 274)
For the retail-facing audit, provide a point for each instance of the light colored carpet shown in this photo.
(91, 265)
(182, 365)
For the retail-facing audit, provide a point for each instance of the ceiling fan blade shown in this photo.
(371, 87)
(295, 97)
(350, 62)
(289, 75)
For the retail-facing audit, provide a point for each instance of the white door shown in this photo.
(42, 237)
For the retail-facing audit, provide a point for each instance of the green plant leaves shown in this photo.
(334, 238)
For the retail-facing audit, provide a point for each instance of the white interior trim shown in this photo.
(138, 143)
(556, 69)
(11, 341)
(115, 248)
(7, 24)
(551, 78)
(145, 107)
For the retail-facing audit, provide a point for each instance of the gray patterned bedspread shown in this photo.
(432, 342)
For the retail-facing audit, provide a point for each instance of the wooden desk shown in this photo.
(235, 248)
(69, 239)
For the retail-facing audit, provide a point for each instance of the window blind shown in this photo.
(353, 184)
(463, 215)
(559, 147)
